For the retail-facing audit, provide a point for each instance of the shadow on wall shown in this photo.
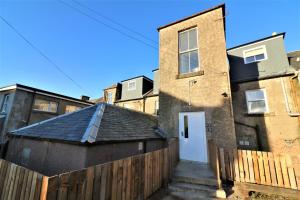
(251, 130)
(218, 116)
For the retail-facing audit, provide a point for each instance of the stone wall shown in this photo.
(277, 131)
(209, 90)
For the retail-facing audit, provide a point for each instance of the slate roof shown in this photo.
(98, 123)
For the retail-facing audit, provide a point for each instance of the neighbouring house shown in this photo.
(195, 95)
(90, 136)
(264, 88)
(21, 106)
(294, 59)
(138, 93)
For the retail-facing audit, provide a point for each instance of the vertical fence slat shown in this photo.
(278, 171)
(286, 180)
(251, 168)
(236, 166)
(261, 168)
(267, 168)
(97, 181)
(103, 182)
(241, 166)
(272, 169)
(255, 167)
(291, 172)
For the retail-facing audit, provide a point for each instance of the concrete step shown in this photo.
(192, 180)
(188, 195)
(182, 187)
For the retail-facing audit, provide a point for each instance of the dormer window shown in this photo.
(132, 85)
(255, 54)
(188, 51)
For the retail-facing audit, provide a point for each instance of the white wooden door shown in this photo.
(192, 136)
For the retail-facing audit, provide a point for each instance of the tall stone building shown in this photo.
(195, 95)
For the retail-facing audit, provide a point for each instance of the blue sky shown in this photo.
(96, 56)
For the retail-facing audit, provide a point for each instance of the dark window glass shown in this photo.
(186, 127)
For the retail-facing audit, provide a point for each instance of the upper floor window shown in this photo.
(255, 54)
(70, 108)
(46, 106)
(109, 98)
(188, 51)
(256, 101)
(132, 85)
(4, 107)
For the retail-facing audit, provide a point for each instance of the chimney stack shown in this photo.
(84, 98)
(274, 33)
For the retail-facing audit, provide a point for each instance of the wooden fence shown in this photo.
(135, 177)
(258, 167)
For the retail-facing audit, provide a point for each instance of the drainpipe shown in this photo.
(287, 106)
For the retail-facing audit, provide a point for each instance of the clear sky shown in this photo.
(96, 56)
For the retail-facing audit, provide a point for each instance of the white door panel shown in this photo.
(192, 136)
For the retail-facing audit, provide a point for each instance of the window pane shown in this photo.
(43, 105)
(194, 61)
(250, 59)
(5, 104)
(193, 39)
(53, 107)
(184, 62)
(260, 57)
(257, 107)
(255, 95)
(183, 41)
(70, 108)
(186, 127)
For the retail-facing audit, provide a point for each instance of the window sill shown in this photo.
(269, 114)
(187, 75)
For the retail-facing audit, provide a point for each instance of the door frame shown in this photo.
(205, 141)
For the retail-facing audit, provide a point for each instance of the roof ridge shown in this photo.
(51, 119)
(91, 131)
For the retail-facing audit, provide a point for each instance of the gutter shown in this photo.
(287, 106)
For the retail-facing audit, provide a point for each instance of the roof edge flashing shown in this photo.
(90, 134)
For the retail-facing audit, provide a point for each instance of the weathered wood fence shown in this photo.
(135, 177)
(257, 167)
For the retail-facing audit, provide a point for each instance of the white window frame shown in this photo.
(131, 81)
(259, 47)
(189, 50)
(265, 99)
(5, 103)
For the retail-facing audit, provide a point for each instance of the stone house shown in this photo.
(138, 93)
(22, 105)
(264, 96)
(195, 95)
(294, 59)
(90, 136)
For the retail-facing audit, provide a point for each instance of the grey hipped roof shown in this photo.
(98, 123)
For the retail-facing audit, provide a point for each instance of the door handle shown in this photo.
(181, 133)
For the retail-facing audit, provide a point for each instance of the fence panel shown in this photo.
(258, 167)
(17, 182)
(136, 177)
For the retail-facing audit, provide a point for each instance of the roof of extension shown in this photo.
(145, 77)
(259, 40)
(43, 92)
(195, 15)
(99, 123)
